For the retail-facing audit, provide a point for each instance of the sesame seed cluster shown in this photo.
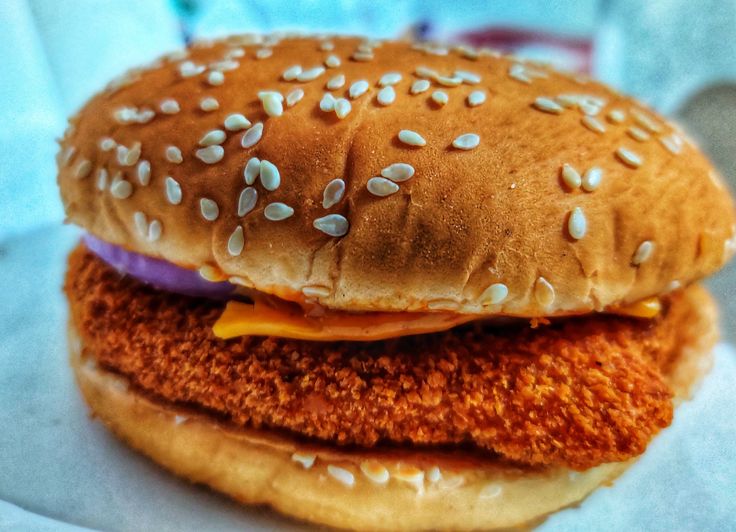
(394, 176)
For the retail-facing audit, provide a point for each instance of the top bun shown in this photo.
(507, 226)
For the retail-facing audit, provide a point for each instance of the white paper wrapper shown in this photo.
(57, 462)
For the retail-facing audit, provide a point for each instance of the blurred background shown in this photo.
(679, 56)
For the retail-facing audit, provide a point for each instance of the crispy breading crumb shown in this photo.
(577, 393)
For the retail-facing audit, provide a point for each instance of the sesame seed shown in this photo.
(568, 100)
(236, 242)
(209, 104)
(315, 291)
(398, 172)
(169, 106)
(375, 472)
(305, 459)
(210, 154)
(547, 105)
(333, 225)
(326, 46)
(592, 179)
(247, 200)
(215, 78)
(412, 138)
(65, 156)
(252, 135)
(173, 155)
(494, 294)
(141, 223)
(311, 74)
(466, 141)
(270, 177)
(235, 53)
(143, 172)
(629, 158)
(342, 108)
(419, 86)
(362, 56)
(341, 475)
(589, 108)
(101, 179)
(173, 190)
(434, 474)
(236, 122)
(673, 285)
(277, 211)
(410, 474)
(476, 98)
(252, 170)
(187, 69)
(389, 78)
(426, 72)
(107, 144)
(128, 156)
(380, 186)
(332, 61)
(358, 88)
(386, 96)
(442, 304)
(593, 124)
(209, 209)
(638, 133)
(224, 65)
(291, 73)
(570, 176)
(327, 103)
(215, 136)
(440, 98)
(365, 48)
(294, 97)
(467, 77)
(82, 169)
(177, 55)
(616, 116)
(448, 81)
(518, 72)
(154, 230)
(672, 144)
(264, 53)
(336, 82)
(333, 193)
(645, 121)
(643, 253)
(490, 491)
(120, 188)
(272, 102)
(544, 293)
(577, 224)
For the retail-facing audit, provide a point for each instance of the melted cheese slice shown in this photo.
(646, 308)
(289, 321)
(259, 319)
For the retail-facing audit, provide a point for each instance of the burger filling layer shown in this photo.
(577, 392)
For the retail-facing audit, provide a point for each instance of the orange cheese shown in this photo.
(260, 319)
(646, 308)
(288, 320)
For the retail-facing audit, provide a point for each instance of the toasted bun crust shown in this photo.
(500, 213)
(260, 467)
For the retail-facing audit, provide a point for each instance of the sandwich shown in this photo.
(384, 285)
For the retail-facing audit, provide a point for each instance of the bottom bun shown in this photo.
(380, 489)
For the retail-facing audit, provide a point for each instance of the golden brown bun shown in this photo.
(499, 213)
(258, 467)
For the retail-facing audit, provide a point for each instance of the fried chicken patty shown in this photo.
(578, 392)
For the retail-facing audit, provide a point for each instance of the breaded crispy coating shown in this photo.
(578, 392)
